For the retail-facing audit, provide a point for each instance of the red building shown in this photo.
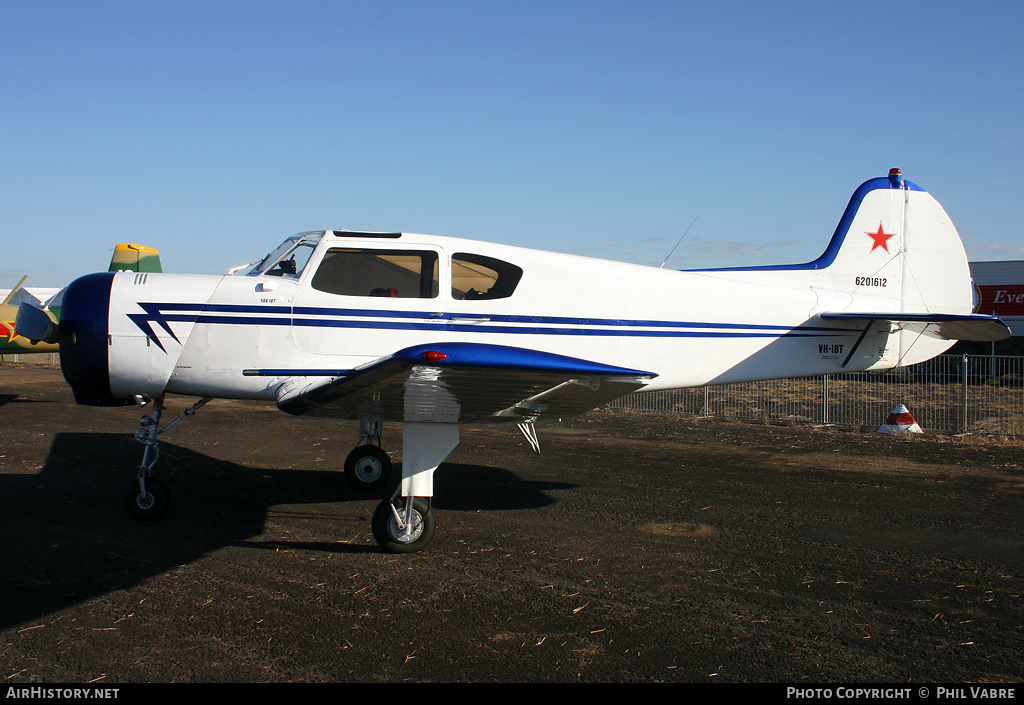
(999, 290)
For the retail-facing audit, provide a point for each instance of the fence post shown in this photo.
(707, 411)
(824, 399)
(963, 398)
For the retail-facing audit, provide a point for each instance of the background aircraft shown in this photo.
(127, 257)
(437, 332)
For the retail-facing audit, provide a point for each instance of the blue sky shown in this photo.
(212, 130)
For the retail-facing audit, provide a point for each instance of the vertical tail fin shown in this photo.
(896, 260)
(896, 247)
(135, 258)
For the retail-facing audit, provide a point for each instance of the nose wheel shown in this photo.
(148, 499)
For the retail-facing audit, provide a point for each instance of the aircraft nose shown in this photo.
(84, 337)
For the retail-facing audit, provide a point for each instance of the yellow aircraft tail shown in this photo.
(135, 258)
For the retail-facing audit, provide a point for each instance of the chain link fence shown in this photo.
(42, 359)
(951, 393)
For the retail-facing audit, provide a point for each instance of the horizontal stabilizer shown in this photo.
(935, 325)
(458, 383)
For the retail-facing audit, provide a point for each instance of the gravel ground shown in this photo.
(635, 548)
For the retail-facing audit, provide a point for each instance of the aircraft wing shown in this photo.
(936, 325)
(458, 383)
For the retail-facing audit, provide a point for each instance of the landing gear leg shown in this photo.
(147, 499)
(404, 522)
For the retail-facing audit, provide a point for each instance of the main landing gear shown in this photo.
(368, 467)
(402, 523)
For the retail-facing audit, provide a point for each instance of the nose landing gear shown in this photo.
(147, 499)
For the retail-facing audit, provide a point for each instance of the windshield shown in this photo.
(290, 257)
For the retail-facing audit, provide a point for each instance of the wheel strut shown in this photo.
(148, 498)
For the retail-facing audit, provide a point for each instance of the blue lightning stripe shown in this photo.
(163, 314)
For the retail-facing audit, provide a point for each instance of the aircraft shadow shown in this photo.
(470, 488)
(15, 399)
(67, 536)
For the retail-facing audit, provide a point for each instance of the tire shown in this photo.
(368, 468)
(391, 538)
(152, 505)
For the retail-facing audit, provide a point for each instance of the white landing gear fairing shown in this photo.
(435, 332)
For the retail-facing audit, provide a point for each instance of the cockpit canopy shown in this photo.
(290, 257)
(392, 272)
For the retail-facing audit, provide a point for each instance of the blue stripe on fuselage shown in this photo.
(228, 314)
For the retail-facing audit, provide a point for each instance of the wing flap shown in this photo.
(461, 383)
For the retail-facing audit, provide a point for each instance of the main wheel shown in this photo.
(392, 537)
(149, 506)
(368, 467)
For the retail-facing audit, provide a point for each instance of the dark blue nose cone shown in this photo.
(84, 339)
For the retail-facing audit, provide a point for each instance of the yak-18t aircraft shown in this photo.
(437, 332)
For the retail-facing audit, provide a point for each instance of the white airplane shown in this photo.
(436, 332)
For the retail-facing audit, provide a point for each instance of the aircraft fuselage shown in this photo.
(241, 336)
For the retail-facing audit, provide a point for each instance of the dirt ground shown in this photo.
(635, 548)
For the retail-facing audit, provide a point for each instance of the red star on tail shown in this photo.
(880, 238)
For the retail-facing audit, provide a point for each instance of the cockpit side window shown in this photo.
(401, 274)
(475, 277)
